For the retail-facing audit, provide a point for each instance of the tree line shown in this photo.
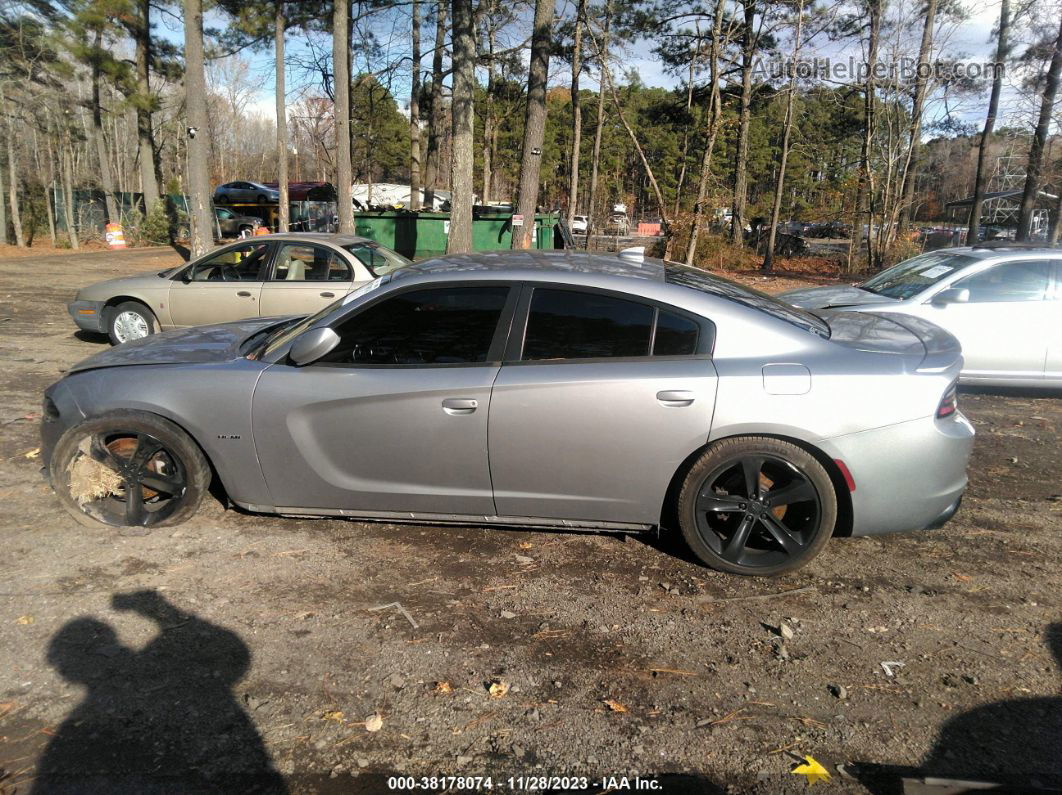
(532, 103)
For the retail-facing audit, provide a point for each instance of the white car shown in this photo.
(1003, 300)
(580, 223)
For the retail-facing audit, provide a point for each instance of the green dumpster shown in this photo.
(423, 235)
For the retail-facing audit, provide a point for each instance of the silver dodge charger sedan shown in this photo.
(549, 390)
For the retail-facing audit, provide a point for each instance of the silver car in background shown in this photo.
(554, 390)
(1002, 300)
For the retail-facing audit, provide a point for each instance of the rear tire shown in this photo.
(755, 505)
(102, 465)
(130, 321)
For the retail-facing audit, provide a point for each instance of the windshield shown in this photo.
(914, 275)
(724, 288)
(379, 260)
(283, 334)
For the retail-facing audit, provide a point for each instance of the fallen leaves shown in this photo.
(333, 715)
(443, 687)
(812, 770)
(614, 705)
(498, 688)
(24, 620)
(374, 722)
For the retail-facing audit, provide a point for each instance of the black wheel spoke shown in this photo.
(167, 485)
(710, 501)
(799, 490)
(736, 544)
(134, 504)
(750, 468)
(146, 448)
(780, 533)
(98, 452)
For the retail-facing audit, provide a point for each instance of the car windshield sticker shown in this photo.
(937, 270)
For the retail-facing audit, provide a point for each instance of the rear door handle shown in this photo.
(675, 398)
(459, 405)
(243, 294)
(328, 295)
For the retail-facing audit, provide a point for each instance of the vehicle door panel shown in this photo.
(394, 418)
(1005, 326)
(224, 287)
(1053, 363)
(304, 279)
(593, 441)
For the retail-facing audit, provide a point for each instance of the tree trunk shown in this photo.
(39, 165)
(917, 107)
(435, 111)
(595, 159)
(787, 129)
(149, 167)
(715, 114)
(577, 113)
(490, 130)
(535, 123)
(12, 184)
(464, 84)
(198, 159)
(974, 221)
(341, 67)
(414, 112)
(3, 207)
(686, 128)
(106, 179)
(68, 197)
(282, 122)
(1034, 171)
(866, 174)
(748, 50)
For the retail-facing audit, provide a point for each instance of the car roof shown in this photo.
(543, 262)
(1009, 250)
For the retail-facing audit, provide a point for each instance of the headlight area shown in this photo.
(49, 411)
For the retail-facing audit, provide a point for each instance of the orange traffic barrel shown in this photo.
(262, 230)
(115, 236)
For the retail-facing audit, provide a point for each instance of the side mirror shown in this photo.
(311, 345)
(953, 295)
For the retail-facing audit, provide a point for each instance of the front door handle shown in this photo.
(675, 398)
(456, 406)
(243, 294)
(328, 295)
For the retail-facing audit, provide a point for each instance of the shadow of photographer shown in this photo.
(162, 719)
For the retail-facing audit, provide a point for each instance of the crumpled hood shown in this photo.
(824, 297)
(196, 345)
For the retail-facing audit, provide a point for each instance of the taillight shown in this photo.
(949, 403)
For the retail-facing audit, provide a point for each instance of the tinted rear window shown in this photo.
(675, 335)
(565, 324)
(714, 285)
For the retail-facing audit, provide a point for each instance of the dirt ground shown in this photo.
(247, 653)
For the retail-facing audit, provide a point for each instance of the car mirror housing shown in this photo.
(953, 295)
(311, 345)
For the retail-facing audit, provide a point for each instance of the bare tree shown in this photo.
(577, 111)
(12, 184)
(1034, 172)
(535, 123)
(435, 108)
(459, 239)
(595, 158)
(282, 120)
(910, 170)
(341, 68)
(414, 112)
(981, 178)
(741, 159)
(144, 100)
(715, 115)
(787, 131)
(866, 171)
(106, 178)
(195, 100)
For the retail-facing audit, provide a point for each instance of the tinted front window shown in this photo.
(1009, 282)
(912, 276)
(713, 285)
(675, 335)
(237, 264)
(564, 324)
(453, 325)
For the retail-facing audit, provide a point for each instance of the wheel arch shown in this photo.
(845, 517)
(114, 302)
